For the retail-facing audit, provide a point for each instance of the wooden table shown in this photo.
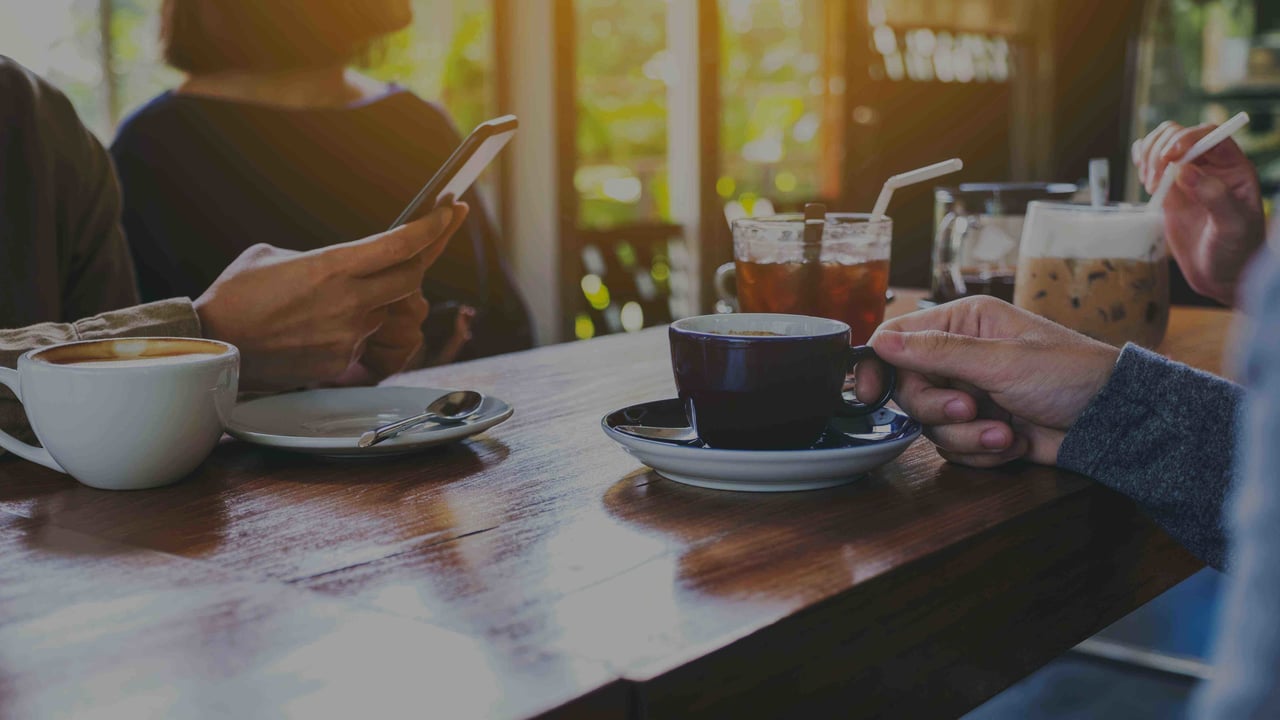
(539, 569)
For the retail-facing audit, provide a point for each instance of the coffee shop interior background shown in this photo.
(648, 125)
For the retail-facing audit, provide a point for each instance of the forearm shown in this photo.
(1163, 434)
(169, 318)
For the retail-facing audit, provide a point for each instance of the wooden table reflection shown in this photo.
(539, 569)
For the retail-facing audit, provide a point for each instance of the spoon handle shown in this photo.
(373, 437)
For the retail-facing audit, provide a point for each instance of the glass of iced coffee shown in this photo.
(1100, 270)
(842, 277)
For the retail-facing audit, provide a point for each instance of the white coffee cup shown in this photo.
(124, 414)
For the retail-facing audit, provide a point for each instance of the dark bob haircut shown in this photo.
(207, 36)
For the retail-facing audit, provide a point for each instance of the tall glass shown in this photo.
(977, 230)
(844, 278)
(1103, 271)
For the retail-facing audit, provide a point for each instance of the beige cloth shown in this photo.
(168, 318)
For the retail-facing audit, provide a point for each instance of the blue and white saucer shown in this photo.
(658, 435)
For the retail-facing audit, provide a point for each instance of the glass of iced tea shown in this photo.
(1100, 270)
(844, 277)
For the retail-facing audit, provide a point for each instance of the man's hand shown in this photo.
(991, 383)
(1213, 212)
(304, 317)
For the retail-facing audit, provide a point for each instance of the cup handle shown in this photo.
(853, 408)
(722, 280)
(9, 378)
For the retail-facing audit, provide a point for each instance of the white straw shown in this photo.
(946, 167)
(1206, 143)
(1099, 182)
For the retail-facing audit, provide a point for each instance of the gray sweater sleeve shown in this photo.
(1163, 434)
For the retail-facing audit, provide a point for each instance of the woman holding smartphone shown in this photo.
(271, 135)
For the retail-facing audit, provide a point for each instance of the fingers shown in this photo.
(1182, 141)
(459, 338)
(934, 352)
(978, 437)
(372, 323)
(461, 211)
(397, 281)
(1225, 153)
(1216, 198)
(1017, 451)
(428, 257)
(981, 316)
(378, 252)
(1170, 144)
(1157, 162)
(924, 401)
(1142, 149)
(399, 339)
(1208, 189)
(981, 444)
(388, 286)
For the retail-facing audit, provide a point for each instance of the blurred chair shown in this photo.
(631, 279)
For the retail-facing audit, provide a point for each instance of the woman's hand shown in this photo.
(300, 318)
(1213, 212)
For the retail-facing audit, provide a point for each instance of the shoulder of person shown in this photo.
(431, 116)
(142, 123)
(40, 117)
(28, 101)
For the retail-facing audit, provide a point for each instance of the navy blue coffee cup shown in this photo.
(761, 381)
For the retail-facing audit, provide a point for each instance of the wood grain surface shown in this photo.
(538, 568)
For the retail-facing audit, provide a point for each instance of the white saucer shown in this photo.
(850, 448)
(330, 422)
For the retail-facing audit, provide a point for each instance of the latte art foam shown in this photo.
(144, 361)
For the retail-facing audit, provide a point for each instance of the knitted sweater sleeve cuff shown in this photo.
(1164, 434)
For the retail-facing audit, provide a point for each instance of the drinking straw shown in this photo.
(1099, 182)
(946, 167)
(815, 219)
(1206, 143)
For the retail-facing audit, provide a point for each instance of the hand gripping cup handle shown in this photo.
(853, 408)
(10, 379)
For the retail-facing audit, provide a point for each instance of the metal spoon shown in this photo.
(447, 409)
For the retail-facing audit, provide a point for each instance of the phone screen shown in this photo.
(462, 168)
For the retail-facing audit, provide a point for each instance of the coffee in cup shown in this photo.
(124, 414)
(763, 381)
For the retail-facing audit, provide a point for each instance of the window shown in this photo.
(105, 55)
(781, 88)
(446, 55)
(622, 62)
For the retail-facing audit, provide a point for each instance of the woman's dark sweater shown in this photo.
(204, 178)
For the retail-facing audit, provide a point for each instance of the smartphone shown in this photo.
(462, 168)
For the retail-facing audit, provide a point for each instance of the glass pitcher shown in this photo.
(978, 230)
